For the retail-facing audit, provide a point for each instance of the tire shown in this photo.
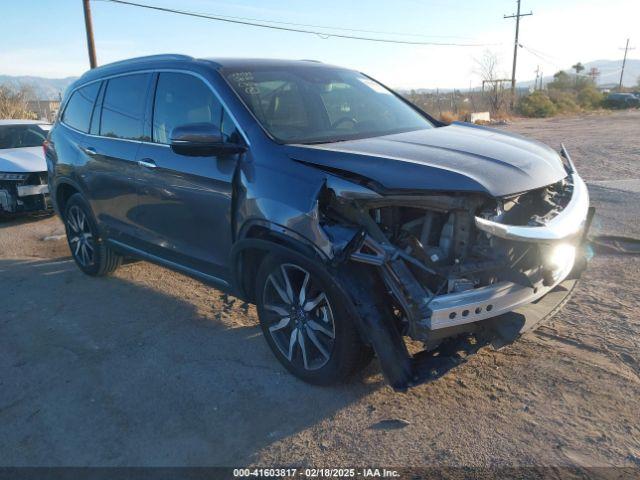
(88, 248)
(316, 320)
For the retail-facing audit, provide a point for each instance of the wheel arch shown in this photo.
(64, 189)
(256, 241)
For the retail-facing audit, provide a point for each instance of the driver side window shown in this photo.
(181, 99)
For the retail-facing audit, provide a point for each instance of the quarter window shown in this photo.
(123, 107)
(77, 114)
(182, 99)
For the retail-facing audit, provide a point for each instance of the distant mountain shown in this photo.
(43, 88)
(609, 72)
(53, 88)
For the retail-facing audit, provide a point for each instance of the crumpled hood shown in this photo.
(458, 157)
(27, 159)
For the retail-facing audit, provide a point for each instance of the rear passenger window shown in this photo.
(182, 99)
(77, 114)
(123, 107)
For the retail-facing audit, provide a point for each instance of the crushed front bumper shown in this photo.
(481, 303)
(497, 332)
(18, 197)
(569, 222)
(570, 225)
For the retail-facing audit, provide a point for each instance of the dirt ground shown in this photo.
(151, 368)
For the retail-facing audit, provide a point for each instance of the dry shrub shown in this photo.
(501, 117)
(590, 98)
(448, 117)
(564, 101)
(13, 102)
(538, 104)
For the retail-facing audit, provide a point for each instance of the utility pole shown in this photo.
(541, 75)
(624, 61)
(89, 27)
(515, 50)
(535, 84)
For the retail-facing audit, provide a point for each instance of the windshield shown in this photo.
(20, 136)
(318, 105)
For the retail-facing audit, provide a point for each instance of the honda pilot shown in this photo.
(352, 219)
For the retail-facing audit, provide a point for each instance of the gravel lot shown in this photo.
(149, 367)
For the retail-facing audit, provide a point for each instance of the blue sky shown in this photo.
(47, 38)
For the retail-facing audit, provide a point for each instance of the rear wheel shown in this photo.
(88, 249)
(305, 322)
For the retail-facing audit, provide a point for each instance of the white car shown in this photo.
(23, 169)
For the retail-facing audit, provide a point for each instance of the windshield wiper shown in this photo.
(332, 140)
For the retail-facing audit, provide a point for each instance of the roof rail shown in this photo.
(150, 58)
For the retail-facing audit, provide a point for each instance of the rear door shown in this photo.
(115, 137)
(185, 202)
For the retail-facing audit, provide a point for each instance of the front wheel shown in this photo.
(305, 321)
(88, 249)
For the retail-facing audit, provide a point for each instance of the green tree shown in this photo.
(561, 81)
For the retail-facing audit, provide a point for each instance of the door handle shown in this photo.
(147, 163)
(90, 151)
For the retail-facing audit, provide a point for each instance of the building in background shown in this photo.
(44, 109)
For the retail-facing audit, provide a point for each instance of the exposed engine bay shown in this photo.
(441, 270)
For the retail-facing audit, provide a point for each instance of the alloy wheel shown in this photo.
(81, 238)
(299, 317)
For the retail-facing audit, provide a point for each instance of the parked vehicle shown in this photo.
(348, 216)
(23, 171)
(622, 100)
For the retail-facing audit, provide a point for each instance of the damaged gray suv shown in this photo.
(352, 219)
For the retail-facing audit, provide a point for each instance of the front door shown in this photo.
(184, 203)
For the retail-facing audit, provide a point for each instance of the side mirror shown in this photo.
(201, 140)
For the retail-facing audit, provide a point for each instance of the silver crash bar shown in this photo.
(567, 223)
(490, 301)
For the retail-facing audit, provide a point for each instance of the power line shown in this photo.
(540, 56)
(346, 29)
(291, 29)
(541, 53)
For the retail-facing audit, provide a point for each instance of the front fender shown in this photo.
(248, 252)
